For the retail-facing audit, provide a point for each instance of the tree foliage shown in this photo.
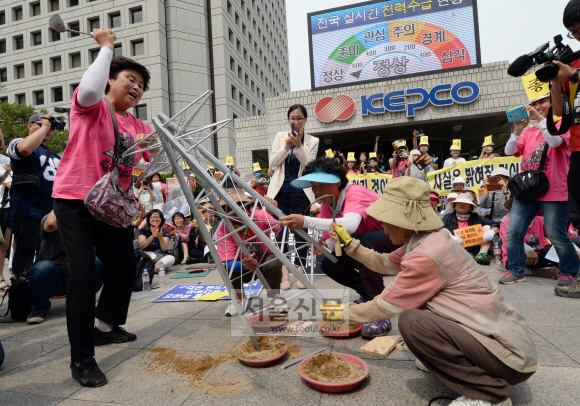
(14, 124)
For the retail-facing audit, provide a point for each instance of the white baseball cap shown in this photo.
(453, 148)
(458, 179)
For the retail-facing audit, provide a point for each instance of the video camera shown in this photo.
(56, 123)
(544, 54)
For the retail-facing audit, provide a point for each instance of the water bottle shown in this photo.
(161, 274)
(497, 253)
(146, 282)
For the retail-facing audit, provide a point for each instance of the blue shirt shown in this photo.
(291, 170)
(33, 203)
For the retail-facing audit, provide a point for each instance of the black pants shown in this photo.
(27, 236)
(295, 203)
(365, 282)
(574, 189)
(82, 237)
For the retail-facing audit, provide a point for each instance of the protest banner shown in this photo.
(470, 236)
(191, 292)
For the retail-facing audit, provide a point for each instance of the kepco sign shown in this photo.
(396, 101)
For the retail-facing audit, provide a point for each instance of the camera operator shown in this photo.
(399, 163)
(31, 161)
(423, 148)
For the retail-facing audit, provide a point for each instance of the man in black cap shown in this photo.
(34, 169)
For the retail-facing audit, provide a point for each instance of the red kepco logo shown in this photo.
(340, 108)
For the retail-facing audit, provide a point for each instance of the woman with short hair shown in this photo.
(154, 239)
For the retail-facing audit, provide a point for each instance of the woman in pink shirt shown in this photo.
(530, 144)
(87, 157)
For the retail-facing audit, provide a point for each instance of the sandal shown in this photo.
(3, 285)
(285, 284)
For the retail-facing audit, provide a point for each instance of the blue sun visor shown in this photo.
(320, 177)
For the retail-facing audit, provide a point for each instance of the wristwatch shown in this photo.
(574, 77)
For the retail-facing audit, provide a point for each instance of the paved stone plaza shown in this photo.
(36, 370)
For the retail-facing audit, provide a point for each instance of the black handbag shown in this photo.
(530, 185)
(19, 299)
(174, 249)
(30, 180)
(142, 261)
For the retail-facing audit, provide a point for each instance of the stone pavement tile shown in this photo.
(134, 383)
(52, 331)
(8, 398)
(215, 311)
(556, 312)
(564, 338)
(551, 355)
(139, 303)
(530, 290)
(76, 402)
(391, 383)
(237, 384)
(50, 375)
(147, 330)
(548, 386)
(171, 310)
(9, 329)
(199, 336)
(19, 353)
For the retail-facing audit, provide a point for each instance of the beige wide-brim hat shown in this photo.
(464, 198)
(406, 204)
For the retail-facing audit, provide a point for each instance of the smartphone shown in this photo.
(294, 129)
(517, 114)
(145, 183)
(493, 183)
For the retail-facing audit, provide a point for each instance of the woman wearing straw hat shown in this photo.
(452, 318)
(327, 177)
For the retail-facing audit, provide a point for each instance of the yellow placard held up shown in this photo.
(471, 236)
(329, 153)
(424, 140)
(184, 165)
(350, 157)
(210, 167)
(229, 161)
(256, 166)
(372, 154)
(217, 295)
(402, 143)
(534, 88)
(457, 144)
(138, 171)
(488, 140)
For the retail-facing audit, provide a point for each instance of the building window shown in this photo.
(3, 75)
(38, 97)
(18, 42)
(93, 53)
(37, 68)
(229, 7)
(57, 94)
(232, 63)
(237, 19)
(36, 38)
(4, 99)
(118, 50)
(136, 15)
(137, 47)
(248, 105)
(2, 46)
(2, 17)
(35, 9)
(241, 98)
(231, 35)
(20, 98)
(73, 3)
(245, 54)
(19, 72)
(253, 110)
(54, 5)
(56, 64)
(17, 13)
(234, 116)
(54, 35)
(93, 23)
(141, 112)
(238, 45)
(234, 91)
(246, 80)
(75, 60)
(76, 27)
(73, 87)
(240, 73)
(115, 20)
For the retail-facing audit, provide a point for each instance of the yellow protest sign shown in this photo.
(372, 154)
(329, 153)
(229, 161)
(350, 157)
(210, 167)
(470, 235)
(402, 143)
(488, 140)
(533, 87)
(457, 144)
(184, 165)
(424, 140)
(217, 295)
(256, 166)
(138, 171)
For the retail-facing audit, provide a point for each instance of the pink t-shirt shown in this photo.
(358, 199)
(530, 147)
(400, 169)
(462, 223)
(88, 154)
(535, 236)
(228, 247)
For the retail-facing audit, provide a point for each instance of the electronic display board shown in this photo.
(383, 40)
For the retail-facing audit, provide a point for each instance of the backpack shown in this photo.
(142, 261)
(19, 299)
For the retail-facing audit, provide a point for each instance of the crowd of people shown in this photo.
(408, 231)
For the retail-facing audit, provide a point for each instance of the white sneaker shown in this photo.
(278, 305)
(463, 401)
(420, 366)
(231, 310)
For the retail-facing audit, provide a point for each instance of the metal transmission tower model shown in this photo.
(182, 145)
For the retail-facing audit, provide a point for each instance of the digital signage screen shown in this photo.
(383, 40)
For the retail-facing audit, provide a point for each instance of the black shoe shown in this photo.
(191, 260)
(87, 373)
(117, 335)
(36, 317)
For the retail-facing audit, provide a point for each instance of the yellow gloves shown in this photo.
(343, 236)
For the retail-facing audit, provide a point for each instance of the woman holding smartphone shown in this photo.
(291, 152)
